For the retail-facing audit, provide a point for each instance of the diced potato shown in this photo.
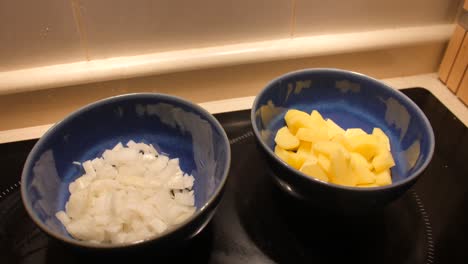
(383, 161)
(317, 118)
(358, 160)
(350, 132)
(282, 153)
(296, 119)
(361, 169)
(365, 176)
(381, 137)
(366, 145)
(304, 146)
(318, 122)
(340, 170)
(291, 158)
(312, 134)
(303, 157)
(342, 140)
(383, 178)
(293, 113)
(324, 162)
(333, 129)
(328, 147)
(305, 152)
(314, 170)
(286, 140)
(322, 149)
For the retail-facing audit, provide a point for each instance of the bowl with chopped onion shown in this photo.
(130, 170)
(340, 139)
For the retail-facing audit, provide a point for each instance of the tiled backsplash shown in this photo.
(46, 32)
(335, 16)
(37, 33)
(146, 26)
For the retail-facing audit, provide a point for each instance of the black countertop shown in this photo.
(257, 223)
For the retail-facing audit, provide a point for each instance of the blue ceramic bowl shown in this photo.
(351, 100)
(174, 126)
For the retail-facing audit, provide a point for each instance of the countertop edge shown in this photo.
(429, 81)
(82, 72)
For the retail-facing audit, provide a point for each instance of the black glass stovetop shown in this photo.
(257, 223)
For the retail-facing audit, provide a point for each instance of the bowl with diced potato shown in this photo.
(341, 139)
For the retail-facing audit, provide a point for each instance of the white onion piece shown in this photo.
(129, 194)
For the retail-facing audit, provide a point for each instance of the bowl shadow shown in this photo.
(290, 230)
(197, 249)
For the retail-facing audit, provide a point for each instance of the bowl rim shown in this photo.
(395, 92)
(117, 98)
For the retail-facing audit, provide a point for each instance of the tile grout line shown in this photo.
(292, 24)
(80, 26)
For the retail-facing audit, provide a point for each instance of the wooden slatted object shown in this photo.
(453, 69)
(459, 66)
(463, 89)
(451, 53)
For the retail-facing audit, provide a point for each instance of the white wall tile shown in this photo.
(336, 16)
(35, 33)
(126, 27)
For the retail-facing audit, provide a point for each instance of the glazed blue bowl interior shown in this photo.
(174, 126)
(351, 100)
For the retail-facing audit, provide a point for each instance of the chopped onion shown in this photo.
(129, 194)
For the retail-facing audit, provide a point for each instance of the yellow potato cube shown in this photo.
(312, 134)
(381, 137)
(324, 162)
(333, 129)
(358, 160)
(293, 113)
(318, 122)
(305, 157)
(342, 140)
(305, 147)
(291, 158)
(350, 132)
(365, 176)
(383, 161)
(317, 118)
(366, 145)
(328, 147)
(329, 153)
(314, 170)
(286, 140)
(296, 119)
(305, 153)
(383, 178)
(282, 153)
(340, 170)
(361, 169)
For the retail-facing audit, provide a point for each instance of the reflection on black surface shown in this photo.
(290, 231)
(22, 242)
(197, 251)
(11, 162)
(257, 223)
(444, 185)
